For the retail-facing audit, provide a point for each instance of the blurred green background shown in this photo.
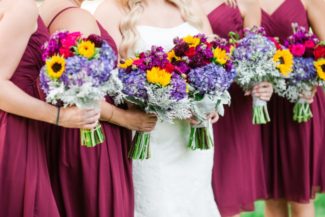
(319, 204)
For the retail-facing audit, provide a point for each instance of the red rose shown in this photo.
(190, 52)
(65, 52)
(319, 52)
(170, 67)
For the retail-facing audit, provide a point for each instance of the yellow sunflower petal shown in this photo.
(158, 76)
(86, 49)
(55, 66)
(320, 68)
(284, 61)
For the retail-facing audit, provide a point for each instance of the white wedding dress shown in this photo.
(175, 181)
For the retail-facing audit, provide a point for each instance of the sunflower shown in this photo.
(284, 61)
(126, 63)
(320, 68)
(220, 56)
(192, 41)
(55, 66)
(158, 76)
(86, 49)
(171, 56)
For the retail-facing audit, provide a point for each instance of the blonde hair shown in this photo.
(134, 10)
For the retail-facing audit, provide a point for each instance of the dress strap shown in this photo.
(58, 14)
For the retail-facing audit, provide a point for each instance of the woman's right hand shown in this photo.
(73, 117)
(139, 121)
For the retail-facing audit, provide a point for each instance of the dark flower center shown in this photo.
(281, 60)
(56, 67)
(323, 67)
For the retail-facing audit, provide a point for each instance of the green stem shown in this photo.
(93, 137)
(140, 149)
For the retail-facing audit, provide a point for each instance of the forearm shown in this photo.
(15, 101)
(112, 114)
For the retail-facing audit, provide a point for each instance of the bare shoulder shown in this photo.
(198, 9)
(314, 3)
(76, 19)
(15, 14)
(109, 13)
(246, 4)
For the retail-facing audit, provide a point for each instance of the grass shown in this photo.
(319, 204)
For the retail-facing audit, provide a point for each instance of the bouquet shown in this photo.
(208, 71)
(77, 72)
(319, 54)
(303, 79)
(151, 82)
(254, 63)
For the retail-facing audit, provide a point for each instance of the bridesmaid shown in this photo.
(238, 172)
(24, 180)
(293, 152)
(97, 181)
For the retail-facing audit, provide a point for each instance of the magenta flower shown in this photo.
(297, 50)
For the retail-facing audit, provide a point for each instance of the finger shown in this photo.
(247, 93)
(265, 98)
(89, 126)
(215, 119)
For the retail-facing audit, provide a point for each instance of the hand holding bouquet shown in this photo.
(303, 79)
(76, 73)
(208, 71)
(151, 82)
(254, 63)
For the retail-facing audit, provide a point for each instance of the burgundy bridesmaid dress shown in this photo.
(238, 173)
(294, 153)
(25, 188)
(93, 182)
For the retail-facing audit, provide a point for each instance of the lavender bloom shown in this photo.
(303, 70)
(178, 91)
(210, 78)
(134, 84)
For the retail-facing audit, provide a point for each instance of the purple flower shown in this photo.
(178, 91)
(210, 78)
(134, 83)
(303, 70)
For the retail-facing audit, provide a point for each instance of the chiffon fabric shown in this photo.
(238, 178)
(294, 153)
(25, 186)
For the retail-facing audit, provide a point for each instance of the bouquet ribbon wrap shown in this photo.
(260, 111)
(91, 138)
(301, 111)
(201, 136)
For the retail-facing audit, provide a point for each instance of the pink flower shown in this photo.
(71, 39)
(138, 62)
(309, 44)
(297, 50)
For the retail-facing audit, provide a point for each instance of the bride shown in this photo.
(175, 181)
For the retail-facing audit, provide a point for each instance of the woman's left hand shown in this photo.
(263, 91)
(309, 97)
